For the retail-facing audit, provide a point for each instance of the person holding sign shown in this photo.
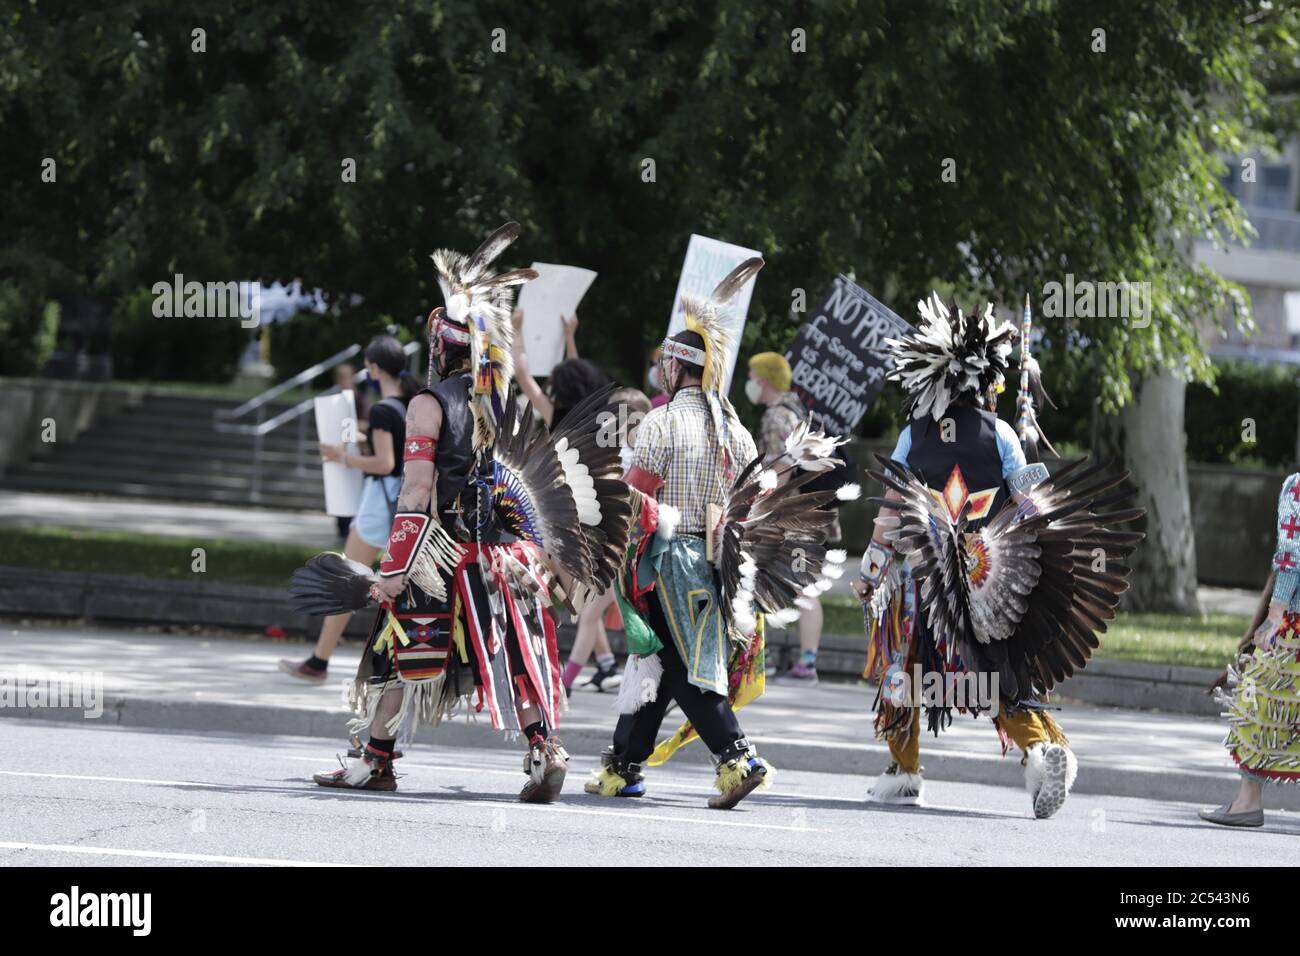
(386, 373)
(571, 381)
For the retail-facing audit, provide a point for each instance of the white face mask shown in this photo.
(654, 378)
(754, 390)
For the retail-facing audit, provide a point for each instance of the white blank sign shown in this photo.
(555, 292)
(336, 419)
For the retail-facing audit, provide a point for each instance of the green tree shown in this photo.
(818, 134)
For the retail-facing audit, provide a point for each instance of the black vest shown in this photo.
(455, 453)
(973, 452)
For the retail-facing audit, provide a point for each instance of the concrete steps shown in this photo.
(166, 447)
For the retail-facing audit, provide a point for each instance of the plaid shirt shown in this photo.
(779, 419)
(676, 442)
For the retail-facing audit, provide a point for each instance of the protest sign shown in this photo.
(837, 359)
(336, 424)
(555, 292)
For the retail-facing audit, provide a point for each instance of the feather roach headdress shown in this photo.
(477, 314)
(704, 318)
(946, 358)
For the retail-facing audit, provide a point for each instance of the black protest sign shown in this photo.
(838, 358)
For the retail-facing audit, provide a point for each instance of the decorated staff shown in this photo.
(1026, 325)
(1032, 395)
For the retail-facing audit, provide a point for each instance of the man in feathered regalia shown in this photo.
(491, 507)
(985, 582)
(721, 539)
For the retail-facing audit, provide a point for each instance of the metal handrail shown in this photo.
(302, 378)
(222, 419)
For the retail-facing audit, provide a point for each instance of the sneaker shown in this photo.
(546, 764)
(802, 673)
(302, 671)
(372, 771)
(604, 679)
(1050, 770)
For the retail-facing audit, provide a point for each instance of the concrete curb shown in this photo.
(585, 739)
(130, 599)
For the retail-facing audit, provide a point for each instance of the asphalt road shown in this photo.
(90, 795)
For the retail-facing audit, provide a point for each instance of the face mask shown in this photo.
(653, 378)
(754, 390)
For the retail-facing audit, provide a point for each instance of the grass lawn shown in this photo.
(1209, 640)
(112, 552)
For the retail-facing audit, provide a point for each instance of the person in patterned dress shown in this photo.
(1263, 708)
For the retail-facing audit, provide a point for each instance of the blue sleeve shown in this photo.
(1286, 560)
(1013, 456)
(904, 446)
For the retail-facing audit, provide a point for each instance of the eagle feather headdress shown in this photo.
(480, 304)
(704, 318)
(946, 358)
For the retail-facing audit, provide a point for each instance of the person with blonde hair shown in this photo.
(769, 385)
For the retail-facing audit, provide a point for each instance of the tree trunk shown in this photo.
(1148, 436)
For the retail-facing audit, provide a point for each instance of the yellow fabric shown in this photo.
(392, 628)
(458, 629)
(1263, 709)
(1029, 727)
(905, 746)
(753, 681)
(1025, 728)
(772, 368)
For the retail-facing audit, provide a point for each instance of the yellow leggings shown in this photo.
(1024, 727)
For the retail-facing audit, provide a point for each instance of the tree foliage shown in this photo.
(227, 163)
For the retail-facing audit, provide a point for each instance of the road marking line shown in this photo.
(470, 803)
(162, 855)
(637, 815)
(78, 776)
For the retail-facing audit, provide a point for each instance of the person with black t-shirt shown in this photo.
(386, 367)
